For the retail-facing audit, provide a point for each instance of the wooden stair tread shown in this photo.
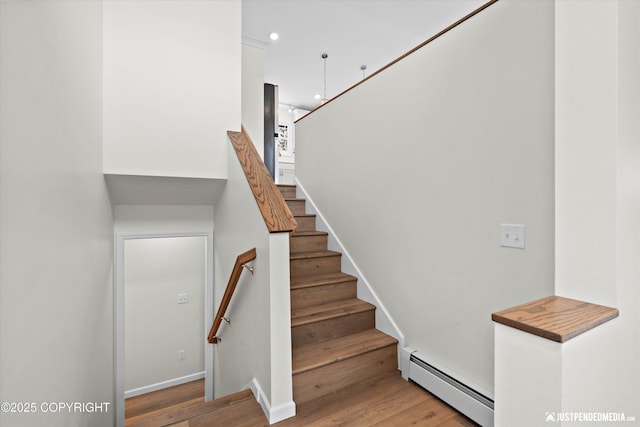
(149, 402)
(320, 280)
(331, 310)
(309, 233)
(244, 413)
(316, 254)
(304, 215)
(195, 411)
(358, 395)
(313, 356)
(286, 185)
(138, 419)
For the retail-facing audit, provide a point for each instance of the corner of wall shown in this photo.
(273, 414)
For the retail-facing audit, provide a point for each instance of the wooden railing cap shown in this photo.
(555, 318)
(420, 46)
(275, 212)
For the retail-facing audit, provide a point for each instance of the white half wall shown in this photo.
(529, 374)
(256, 347)
(56, 246)
(416, 168)
(172, 86)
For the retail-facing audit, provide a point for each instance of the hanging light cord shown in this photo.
(324, 58)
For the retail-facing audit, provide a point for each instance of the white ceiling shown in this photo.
(352, 32)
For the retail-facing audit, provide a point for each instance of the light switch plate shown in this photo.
(512, 235)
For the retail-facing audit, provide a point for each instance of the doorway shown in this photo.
(164, 307)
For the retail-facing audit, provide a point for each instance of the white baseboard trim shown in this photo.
(163, 384)
(384, 321)
(275, 414)
(282, 412)
(466, 397)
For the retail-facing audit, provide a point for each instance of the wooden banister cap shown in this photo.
(555, 318)
(275, 212)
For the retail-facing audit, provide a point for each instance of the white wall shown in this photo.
(597, 187)
(586, 168)
(56, 293)
(253, 57)
(156, 271)
(172, 86)
(416, 168)
(256, 346)
(163, 218)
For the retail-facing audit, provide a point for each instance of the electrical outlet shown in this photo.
(512, 235)
(183, 298)
(181, 355)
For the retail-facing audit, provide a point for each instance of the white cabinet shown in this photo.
(286, 173)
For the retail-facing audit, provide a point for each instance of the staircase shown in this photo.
(333, 336)
(335, 346)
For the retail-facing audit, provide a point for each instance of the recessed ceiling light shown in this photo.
(274, 36)
(317, 96)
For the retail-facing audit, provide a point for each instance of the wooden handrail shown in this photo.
(275, 212)
(400, 58)
(242, 259)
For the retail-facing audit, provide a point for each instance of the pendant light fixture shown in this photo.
(324, 99)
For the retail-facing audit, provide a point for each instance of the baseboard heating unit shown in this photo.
(470, 402)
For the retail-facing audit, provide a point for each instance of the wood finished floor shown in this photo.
(386, 400)
(163, 401)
